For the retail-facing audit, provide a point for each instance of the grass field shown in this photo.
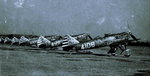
(27, 61)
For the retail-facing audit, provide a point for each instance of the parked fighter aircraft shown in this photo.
(23, 40)
(80, 37)
(15, 38)
(114, 41)
(51, 41)
(47, 42)
(40, 41)
(7, 40)
(74, 42)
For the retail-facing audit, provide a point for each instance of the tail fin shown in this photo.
(7, 39)
(43, 41)
(23, 39)
(69, 41)
(14, 40)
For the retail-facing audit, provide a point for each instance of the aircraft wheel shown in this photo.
(127, 53)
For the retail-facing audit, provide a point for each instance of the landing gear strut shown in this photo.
(122, 47)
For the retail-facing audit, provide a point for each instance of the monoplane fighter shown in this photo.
(114, 41)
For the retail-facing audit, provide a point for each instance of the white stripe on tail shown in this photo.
(69, 40)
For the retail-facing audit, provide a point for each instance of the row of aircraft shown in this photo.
(75, 43)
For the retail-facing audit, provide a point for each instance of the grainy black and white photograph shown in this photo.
(74, 37)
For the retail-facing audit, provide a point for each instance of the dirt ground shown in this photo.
(27, 61)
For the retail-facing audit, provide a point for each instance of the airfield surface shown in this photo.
(27, 61)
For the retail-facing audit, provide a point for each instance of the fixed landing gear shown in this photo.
(124, 51)
(112, 50)
(127, 53)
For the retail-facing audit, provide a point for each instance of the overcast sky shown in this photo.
(97, 17)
